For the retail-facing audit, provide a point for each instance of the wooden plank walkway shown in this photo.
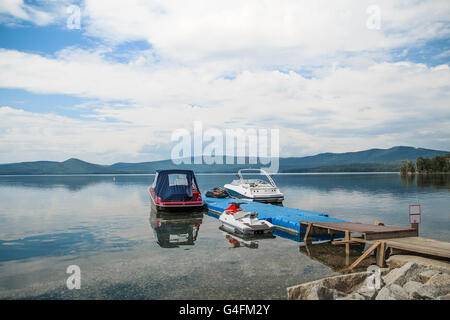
(368, 231)
(420, 245)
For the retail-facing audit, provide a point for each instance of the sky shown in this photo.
(110, 81)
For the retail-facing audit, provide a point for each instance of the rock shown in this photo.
(397, 261)
(392, 292)
(426, 292)
(319, 292)
(341, 284)
(446, 297)
(408, 272)
(412, 286)
(384, 271)
(353, 296)
(367, 293)
(427, 274)
(440, 280)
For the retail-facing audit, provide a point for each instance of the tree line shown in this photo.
(437, 164)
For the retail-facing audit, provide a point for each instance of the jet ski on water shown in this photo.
(235, 219)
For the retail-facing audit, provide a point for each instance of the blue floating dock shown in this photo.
(287, 220)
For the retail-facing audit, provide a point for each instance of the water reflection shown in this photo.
(436, 181)
(244, 241)
(73, 182)
(75, 241)
(175, 229)
(373, 183)
(333, 256)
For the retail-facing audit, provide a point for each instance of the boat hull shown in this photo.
(174, 205)
(261, 198)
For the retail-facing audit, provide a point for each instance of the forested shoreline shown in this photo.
(434, 165)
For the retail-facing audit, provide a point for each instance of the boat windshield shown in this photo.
(256, 178)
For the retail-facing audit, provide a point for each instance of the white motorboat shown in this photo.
(260, 190)
(236, 220)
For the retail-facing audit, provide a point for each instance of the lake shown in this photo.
(125, 251)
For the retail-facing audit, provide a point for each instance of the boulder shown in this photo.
(397, 261)
(446, 297)
(412, 286)
(440, 280)
(337, 286)
(408, 272)
(320, 292)
(384, 271)
(427, 274)
(353, 296)
(426, 292)
(392, 292)
(367, 293)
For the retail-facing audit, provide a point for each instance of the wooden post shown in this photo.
(347, 247)
(308, 230)
(381, 254)
(414, 226)
(364, 255)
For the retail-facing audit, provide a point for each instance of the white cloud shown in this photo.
(34, 136)
(354, 99)
(346, 108)
(255, 32)
(18, 10)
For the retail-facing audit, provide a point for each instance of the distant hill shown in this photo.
(373, 160)
(70, 166)
(389, 157)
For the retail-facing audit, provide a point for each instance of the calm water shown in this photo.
(126, 252)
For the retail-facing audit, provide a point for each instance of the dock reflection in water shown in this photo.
(175, 229)
(332, 256)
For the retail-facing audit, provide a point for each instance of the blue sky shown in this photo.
(133, 73)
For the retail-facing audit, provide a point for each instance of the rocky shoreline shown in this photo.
(406, 278)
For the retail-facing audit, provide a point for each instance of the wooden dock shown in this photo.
(380, 237)
(420, 245)
(368, 231)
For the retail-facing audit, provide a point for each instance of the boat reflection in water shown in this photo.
(175, 230)
(244, 241)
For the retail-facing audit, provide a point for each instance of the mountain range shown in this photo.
(372, 160)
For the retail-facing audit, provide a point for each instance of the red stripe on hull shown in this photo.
(173, 204)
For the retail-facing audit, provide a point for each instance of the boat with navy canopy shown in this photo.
(175, 189)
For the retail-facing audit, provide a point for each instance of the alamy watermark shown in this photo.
(373, 281)
(374, 20)
(259, 146)
(74, 19)
(74, 280)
